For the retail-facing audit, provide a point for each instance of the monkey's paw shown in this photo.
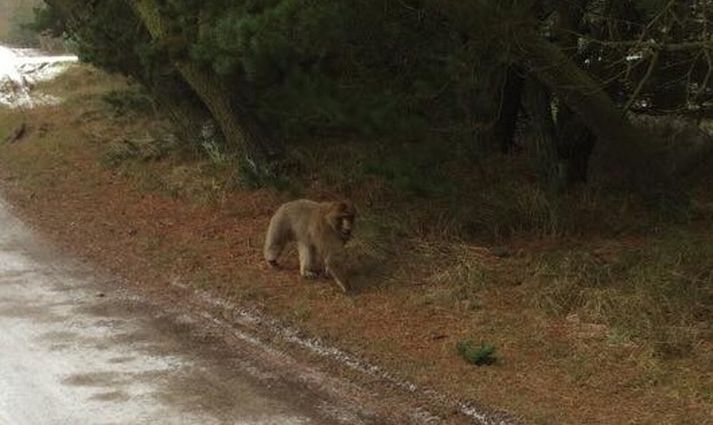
(310, 274)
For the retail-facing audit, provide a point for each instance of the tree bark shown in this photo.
(537, 103)
(187, 114)
(238, 123)
(638, 157)
(574, 140)
(510, 105)
(575, 143)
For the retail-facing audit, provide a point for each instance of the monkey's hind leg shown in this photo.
(274, 245)
(272, 253)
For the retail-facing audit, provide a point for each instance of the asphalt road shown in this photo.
(72, 352)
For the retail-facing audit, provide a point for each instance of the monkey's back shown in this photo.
(294, 219)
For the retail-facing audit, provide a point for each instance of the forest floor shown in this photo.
(95, 179)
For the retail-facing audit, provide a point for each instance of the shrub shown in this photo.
(481, 355)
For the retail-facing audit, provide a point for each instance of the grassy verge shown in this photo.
(588, 301)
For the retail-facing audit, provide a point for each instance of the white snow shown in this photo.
(21, 69)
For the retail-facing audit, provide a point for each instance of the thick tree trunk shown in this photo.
(574, 140)
(510, 106)
(187, 114)
(574, 145)
(238, 123)
(495, 106)
(637, 157)
(537, 104)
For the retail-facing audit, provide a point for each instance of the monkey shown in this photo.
(320, 229)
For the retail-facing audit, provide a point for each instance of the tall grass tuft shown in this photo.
(660, 294)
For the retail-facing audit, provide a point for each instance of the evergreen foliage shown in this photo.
(479, 355)
(410, 69)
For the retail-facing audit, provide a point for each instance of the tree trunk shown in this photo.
(574, 140)
(510, 105)
(238, 123)
(574, 145)
(638, 158)
(187, 113)
(537, 104)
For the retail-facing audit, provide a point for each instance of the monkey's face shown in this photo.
(342, 219)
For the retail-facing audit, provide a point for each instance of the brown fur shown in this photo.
(320, 230)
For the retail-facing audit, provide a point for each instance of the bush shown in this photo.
(125, 101)
(481, 355)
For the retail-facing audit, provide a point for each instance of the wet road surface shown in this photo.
(72, 352)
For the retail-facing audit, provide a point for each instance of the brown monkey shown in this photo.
(320, 230)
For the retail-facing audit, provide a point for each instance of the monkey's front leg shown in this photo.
(306, 254)
(337, 276)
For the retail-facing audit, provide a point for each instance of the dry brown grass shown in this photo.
(591, 330)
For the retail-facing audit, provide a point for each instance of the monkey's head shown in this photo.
(341, 217)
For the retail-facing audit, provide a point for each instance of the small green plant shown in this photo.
(481, 355)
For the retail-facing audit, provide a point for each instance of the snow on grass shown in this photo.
(21, 69)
